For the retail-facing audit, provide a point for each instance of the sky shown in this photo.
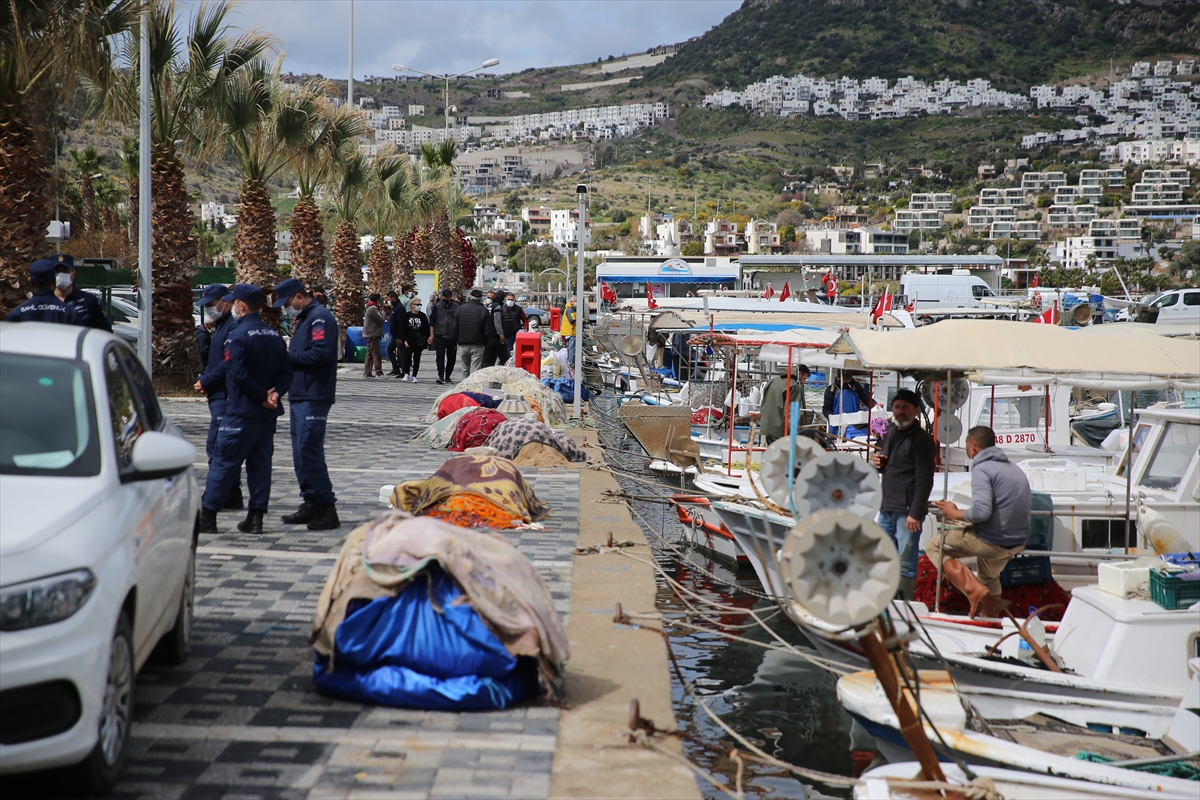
(450, 36)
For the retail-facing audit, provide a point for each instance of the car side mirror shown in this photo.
(158, 455)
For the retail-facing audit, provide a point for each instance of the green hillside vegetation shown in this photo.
(1014, 43)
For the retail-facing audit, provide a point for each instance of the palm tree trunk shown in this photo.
(422, 249)
(449, 272)
(347, 276)
(87, 193)
(23, 207)
(469, 265)
(402, 267)
(131, 207)
(308, 244)
(254, 243)
(379, 267)
(176, 357)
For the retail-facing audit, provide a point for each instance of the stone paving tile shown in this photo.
(241, 718)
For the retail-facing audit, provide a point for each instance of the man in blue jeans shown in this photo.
(313, 354)
(905, 461)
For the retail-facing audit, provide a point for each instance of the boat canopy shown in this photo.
(996, 352)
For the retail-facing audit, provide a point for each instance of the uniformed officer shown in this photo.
(44, 306)
(212, 381)
(313, 353)
(87, 307)
(258, 373)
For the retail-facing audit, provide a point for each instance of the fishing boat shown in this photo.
(903, 781)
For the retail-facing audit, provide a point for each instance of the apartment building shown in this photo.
(1070, 216)
(908, 220)
(1014, 197)
(1074, 252)
(537, 220)
(857, 241)
(941, 201)
(1033, 182)
(564, 229)
(980, 217)
(1026, 230)
(1178, 176)
(1123, 228)
(762, 237)
(721, 238)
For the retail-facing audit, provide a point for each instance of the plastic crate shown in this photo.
(1023, 569)
(1173, 593)
(360, 355)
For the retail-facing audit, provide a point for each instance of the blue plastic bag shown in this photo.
(421, 650)
(566, 389)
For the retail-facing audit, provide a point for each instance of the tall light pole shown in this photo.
(581, 191)
(145, 250)
(350, 74)
(491, 62)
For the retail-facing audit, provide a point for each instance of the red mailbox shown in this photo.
(527, 353)
(555, 319)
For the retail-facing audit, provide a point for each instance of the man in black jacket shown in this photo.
(493, 331)
(395, 329)
(906, 461)
(313, 356)
(443, 334)
(472, 325)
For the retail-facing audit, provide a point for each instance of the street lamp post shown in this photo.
(491, 62)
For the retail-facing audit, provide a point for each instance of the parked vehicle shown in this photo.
(98, 532)
(1172, 306)
(959, 290)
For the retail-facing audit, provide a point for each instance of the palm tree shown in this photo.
(312, 161)
(191, 74)
(44, 46)
(385, 189)
(351, 178)
(411, 200)
(438, 163)
(260, 121)
(87, 162)
(130, 165)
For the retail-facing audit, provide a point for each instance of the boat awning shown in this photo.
(992, 351)
(668, 278)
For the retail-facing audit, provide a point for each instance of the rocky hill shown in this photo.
(1015, 43)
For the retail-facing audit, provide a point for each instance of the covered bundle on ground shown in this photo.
(474, 491)
(546, 403)
(439, 435)
(509, 437)
(474, 428)
(417, 613)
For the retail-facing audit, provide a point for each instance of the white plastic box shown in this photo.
(1123, 578)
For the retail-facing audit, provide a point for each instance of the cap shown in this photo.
(212, 293)
(476, 293)
(42, 270)
(246, 292)
(64, 260)
(446, 293)
(285, 291)
(908, 396)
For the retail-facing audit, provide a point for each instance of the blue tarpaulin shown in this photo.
(423, 648)
(566, 389)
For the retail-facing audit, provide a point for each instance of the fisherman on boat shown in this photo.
(906, 458)
(775, 397)
(998, 523)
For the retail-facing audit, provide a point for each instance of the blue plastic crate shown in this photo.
(1022, 570)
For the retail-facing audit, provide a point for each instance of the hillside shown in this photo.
(1015, 43)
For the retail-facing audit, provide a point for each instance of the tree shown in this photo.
(352, 174)
(87, 162)
(44, 47)
(191, 73)
(694, 248)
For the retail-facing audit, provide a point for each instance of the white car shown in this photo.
(98, 529)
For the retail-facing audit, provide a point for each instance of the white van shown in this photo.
(959, 290)
(1174, 306)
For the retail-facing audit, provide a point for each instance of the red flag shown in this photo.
(911, 307)
(770, 292)
(607, 293)
(882, 305)
(1035, 280)
(650, 297)
(1050, 317)
(786, 293)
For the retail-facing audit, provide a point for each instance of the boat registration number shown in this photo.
(1015, 438)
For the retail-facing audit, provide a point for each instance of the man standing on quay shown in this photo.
(313, 353)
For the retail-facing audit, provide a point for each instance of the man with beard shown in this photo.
(905, 460)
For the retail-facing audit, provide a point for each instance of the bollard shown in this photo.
(527, 353)
(555, 319)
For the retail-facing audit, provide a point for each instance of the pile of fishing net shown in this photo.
(511, 436)
(546, 403)
(473, 491)
(1025, 599)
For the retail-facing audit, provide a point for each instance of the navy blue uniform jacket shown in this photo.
(87, 307)
(44, 306)
(256, 362)
(212, 380)
(313, 353)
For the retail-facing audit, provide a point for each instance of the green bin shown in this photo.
(360, 355)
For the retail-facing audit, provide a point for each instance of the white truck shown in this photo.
(959, 289)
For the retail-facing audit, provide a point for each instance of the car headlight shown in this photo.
(44, 601)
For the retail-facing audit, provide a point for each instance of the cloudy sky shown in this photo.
(457, 35)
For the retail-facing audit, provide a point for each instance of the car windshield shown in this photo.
(46, 417)
(1165, 299)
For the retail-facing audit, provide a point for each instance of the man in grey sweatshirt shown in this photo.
(999, 523)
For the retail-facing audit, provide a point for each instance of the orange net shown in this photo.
(471, 511)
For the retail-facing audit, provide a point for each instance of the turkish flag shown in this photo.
(770, 292)
(1035, 281)
(911, 307)
(650, 297)
(882, 305)
(607, 293)
(786, 293)
(1049, 317)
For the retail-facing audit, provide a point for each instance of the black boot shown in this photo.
(253, 521)
(303, 514)
(325, 518)
(235, 501)
(208, 521)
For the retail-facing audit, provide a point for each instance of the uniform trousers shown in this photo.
(241, 441)
(445, 350)
(216, 413)
(308, 452)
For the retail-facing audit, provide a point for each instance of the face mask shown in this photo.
(237, 313)
(415, 309)
(211, 314)
(291, 311)
(62, 280)
(509, 303)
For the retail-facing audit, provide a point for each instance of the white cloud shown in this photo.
(454, 36)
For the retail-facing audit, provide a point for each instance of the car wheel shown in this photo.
(172, 649)
(99, 771)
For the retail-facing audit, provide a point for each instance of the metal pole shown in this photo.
(581, 301)
(1128, 469)
(350, 74)
(145, 249)
(446, 106)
